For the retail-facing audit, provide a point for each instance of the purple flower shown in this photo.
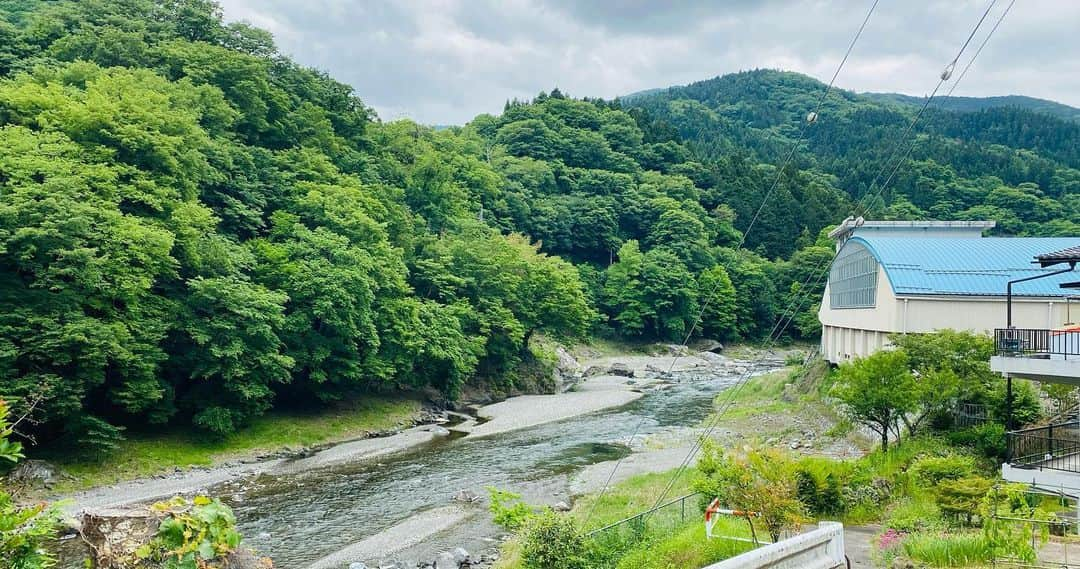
(890, 539)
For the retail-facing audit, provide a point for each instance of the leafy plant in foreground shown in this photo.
(195, 534)
(24, 530)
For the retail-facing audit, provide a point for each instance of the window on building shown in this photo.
(853, 278)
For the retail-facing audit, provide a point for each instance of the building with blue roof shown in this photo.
(898, 277)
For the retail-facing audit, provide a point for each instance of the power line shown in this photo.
(733, 392)
(811, 118)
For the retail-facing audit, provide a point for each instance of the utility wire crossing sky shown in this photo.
(445, 61)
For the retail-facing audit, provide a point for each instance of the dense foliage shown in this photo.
(25, 530)
(1007, 160)
(920, 382)
(194, 228)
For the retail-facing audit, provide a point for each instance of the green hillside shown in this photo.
(1015, 166)
(195, 229)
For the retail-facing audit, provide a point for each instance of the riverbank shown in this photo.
(184, 466)
(365, 491)
(786, 408)
(146, 455)
(157, 454)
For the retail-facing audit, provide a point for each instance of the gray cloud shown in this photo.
(445, 61)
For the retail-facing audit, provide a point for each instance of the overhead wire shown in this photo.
(811, 118)
(781, 326)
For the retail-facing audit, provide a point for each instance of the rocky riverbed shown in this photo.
(391, 499)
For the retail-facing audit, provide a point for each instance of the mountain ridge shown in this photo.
(962, 104)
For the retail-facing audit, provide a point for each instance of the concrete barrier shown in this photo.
(822, 548)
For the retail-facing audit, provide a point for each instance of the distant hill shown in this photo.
(973, 104)
(759, 112)
(975, 158)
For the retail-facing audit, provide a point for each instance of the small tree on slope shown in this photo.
(877, 391)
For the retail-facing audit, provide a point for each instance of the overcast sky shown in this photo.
(445, 61)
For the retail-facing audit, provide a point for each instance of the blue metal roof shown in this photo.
(978, 267)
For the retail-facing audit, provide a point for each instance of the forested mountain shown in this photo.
(972, 104)
(194, 228)
(1011, 165)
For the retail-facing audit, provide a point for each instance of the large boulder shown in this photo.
(567, 369)
(467, 497)
(33, 473)
(706, 345)
(621, 369)
(712, 358)
(594, 370)
(446, 560)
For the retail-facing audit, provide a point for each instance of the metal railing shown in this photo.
(660, 520)
(970, 414)
(1035, 342)
(1053, 447)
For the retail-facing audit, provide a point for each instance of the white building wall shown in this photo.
(857, 332)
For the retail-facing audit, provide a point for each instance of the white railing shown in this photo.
(822, 548)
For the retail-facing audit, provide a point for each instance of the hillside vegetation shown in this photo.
(1008, 164)
(194, 229)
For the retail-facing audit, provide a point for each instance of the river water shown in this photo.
(297, 520)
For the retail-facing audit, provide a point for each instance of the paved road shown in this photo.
(858, 543)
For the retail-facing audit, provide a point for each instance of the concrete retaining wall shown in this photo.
(822, 548)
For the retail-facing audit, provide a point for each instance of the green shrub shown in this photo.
(914, 514)
(820, 495)
(553, 541)
(762, 481)
(1026, 407)
(961, 498)
(507, 509)
(987, 440)
(932, 470)
(91, 438)
(1004, 504)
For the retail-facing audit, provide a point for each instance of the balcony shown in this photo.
(1040, 354)
(1046, 457)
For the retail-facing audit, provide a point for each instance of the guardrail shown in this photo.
(1054, 447)
(1028, 342)
(822, 548)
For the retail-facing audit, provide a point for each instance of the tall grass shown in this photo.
(949, 550)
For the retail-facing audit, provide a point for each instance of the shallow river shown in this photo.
(297, 520)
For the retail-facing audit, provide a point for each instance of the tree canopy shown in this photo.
(195, 229)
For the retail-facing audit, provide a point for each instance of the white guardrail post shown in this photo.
(822, 548)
